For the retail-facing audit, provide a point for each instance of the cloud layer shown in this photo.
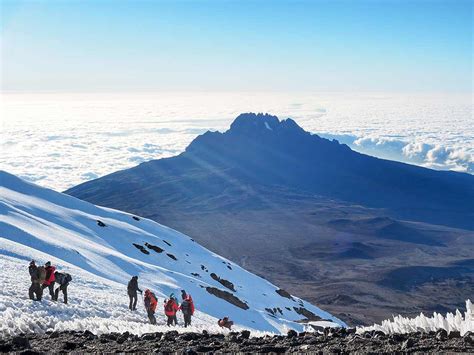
(60, 140)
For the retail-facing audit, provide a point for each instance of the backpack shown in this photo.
(186, 307)
(169, 306)
(67, 278)
(41, 274)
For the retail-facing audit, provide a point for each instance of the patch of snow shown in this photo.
(268, 126)
(452, 322)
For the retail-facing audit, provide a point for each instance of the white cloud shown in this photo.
(62, 140)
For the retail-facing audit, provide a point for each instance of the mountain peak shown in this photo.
(254, 123)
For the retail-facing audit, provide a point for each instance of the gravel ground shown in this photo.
(337, 341)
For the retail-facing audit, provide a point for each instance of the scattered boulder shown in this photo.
(100, 223)
(171, 335)
(469, 338)
(407, 344)
(441, 334)
(292, 333)
(454, 334)
(135, 218)
(195, 274)
(69, 345)
(21, 342)
(245, 334)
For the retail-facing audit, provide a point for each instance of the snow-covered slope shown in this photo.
(41, 224)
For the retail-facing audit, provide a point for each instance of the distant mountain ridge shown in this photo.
(261, 150)
(326, 223)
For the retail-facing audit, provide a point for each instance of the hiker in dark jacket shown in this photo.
(132, 289)
(49, 281)
(183, 295)
(35, 291)
(187, 307)
(62, 279)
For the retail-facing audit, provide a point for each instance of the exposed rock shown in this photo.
(169, 244)
(407, 344)
(141, 248)
(21, 342)
(227, 296)
(307, 313)
(283, 293)
(154, 248)
(235, 342)
(223, 282)
(100, 223)
(291, 334)
(269, 310)
(454, 334)
(135, 218)
(171, 256)
(441, 334)
(245, 334)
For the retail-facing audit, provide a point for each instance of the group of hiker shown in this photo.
(46, 276)
(171, 306)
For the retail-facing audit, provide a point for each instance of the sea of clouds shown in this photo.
(61, 140)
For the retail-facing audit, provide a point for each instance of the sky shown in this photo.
(136, 45)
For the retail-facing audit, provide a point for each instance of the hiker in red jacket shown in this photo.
(50, 279)
(171, 307)
(150, 302)
(187, 307)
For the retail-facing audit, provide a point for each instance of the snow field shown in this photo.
(95, 304)
(41, 224)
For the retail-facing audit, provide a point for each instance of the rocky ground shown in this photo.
(338, 341)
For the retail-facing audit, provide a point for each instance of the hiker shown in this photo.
(38, 274)
(63, 280)
(225, 323)
(171, 307)
(132, 289)
(173, 297)
(49, 280)
(150, 302)
(187, 307)
(183, 295)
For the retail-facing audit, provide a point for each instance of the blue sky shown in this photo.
(404, 46)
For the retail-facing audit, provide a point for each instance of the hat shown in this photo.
(48, 263)
(32, 262)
